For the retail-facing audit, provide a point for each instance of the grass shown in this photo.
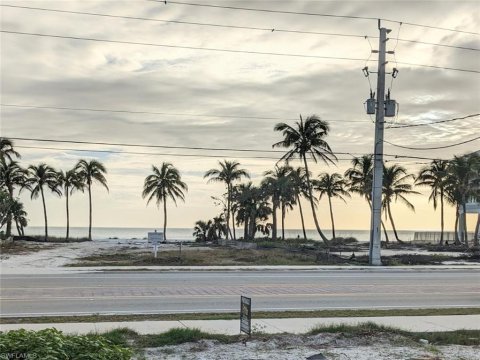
(234, 316)
(458, 337)
(22, 247)
(126, 337)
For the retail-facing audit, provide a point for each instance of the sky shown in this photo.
(229, 100)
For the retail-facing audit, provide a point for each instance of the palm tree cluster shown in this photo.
(38, 179)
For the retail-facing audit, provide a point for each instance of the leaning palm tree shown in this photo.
(164, 183)
(307, 138)
(396, 187)
(19, 216)
(6, 150)
(332, 186)
(11, 176)
(70, 181)
(435, 176)
(39, 177)
(228, 173)
(90, 172)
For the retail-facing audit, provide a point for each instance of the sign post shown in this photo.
(246, 315)
(155, 238)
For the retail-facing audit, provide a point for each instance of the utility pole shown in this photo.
(376, 223)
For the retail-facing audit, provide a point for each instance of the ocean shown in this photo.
(185, 234)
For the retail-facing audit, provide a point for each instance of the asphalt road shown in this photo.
(210, 291)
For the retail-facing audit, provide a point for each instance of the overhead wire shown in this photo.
(313, 14)
(433, 147)
(227, 26)
(235, 51)
(434, 122)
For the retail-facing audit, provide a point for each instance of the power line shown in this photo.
(315, 14)
(226, 26)
(251, 52)
(352, 154)
(163, 113)
(182, 47)
(433, 122)
(435, 147)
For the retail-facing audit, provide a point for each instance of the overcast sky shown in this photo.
(57, 72)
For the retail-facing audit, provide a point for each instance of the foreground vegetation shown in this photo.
(121, 344)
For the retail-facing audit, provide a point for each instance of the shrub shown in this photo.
(52, 344)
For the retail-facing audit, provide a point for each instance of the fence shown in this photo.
(433, 237)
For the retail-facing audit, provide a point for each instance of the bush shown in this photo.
(51, 344)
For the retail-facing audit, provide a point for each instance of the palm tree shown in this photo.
(360, 180)
(460, 184)
(39, 177)
(278, 184)
(307, 139)
(6, 150)
(395, 187)
(300, 188)
(201, 230)
(228, 173)
(90, 172)
(70, 181)
(333, 186)
(164, 183)
(19, 215)
(435, 176)
(11, 176)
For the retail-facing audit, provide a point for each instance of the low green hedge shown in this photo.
(51, 344)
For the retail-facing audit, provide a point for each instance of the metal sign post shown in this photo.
(246, 315)
(155, 238)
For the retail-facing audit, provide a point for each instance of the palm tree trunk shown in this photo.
(233, 225)
(165, 218)
(331, 216)
(90, 212)
(283, 221)
(457, 239)
(325, 240)
(464, 223)
(45, 214)
(476, 237)
(228, 210)
(393, 224)
(8, 230)
(301, 217)
(274, 220)
(68, 215)
(442, 222)
(19, 231)
(245, 228)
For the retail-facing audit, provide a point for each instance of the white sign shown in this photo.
(155, 238)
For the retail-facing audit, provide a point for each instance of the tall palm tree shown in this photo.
(39, 177)
(228, 173)
(332, 186)
(11, 176)
(7, 150)
(278, 185)
(396, 187)
(435, 175)
(360, 180)
(70, 181)
(300, 188)
(164, 183)
(91, 172)
(307, 138)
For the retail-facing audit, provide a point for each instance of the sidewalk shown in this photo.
(5, 270)
(271, 326)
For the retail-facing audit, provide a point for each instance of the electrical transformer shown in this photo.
(390, 108)
(370, 106)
